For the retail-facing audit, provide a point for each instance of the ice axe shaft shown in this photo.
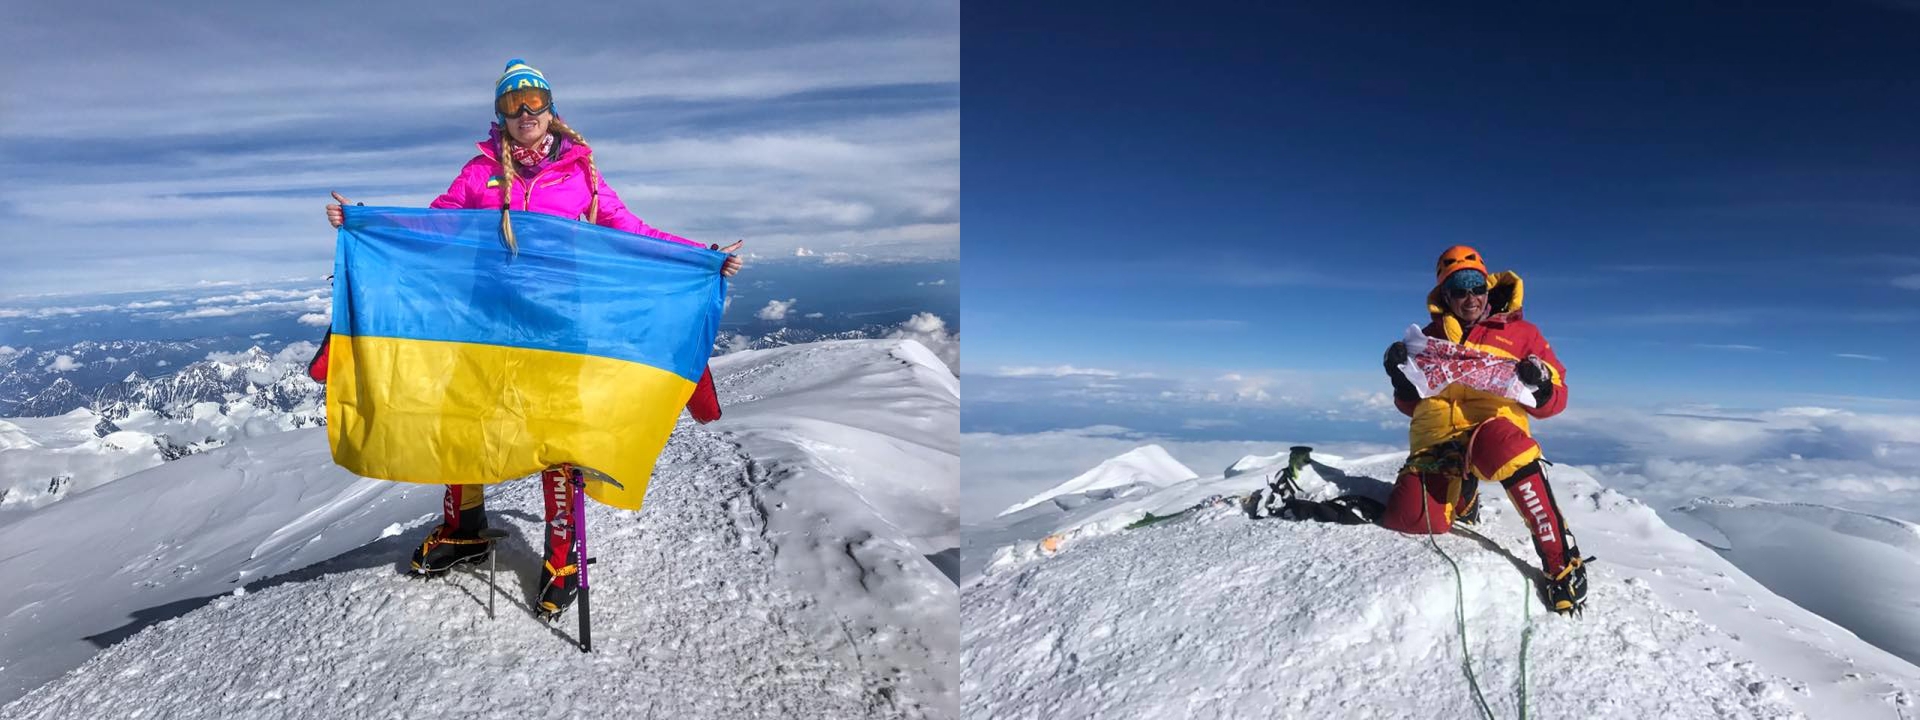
(494, 536)
(580, 554)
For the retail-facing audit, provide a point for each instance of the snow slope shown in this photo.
(93, 567)
(139, 423)
(44, 459)
(1861, 571)
(1146, 467)
(1212, 614)
(712, 602)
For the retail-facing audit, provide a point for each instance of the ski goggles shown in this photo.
(536, 101)
(1458, 293)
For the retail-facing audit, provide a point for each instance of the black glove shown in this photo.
(1403, 389)
(1533, 371)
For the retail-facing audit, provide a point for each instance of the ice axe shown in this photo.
(493, 536)
(1282, 486)
(578, 476)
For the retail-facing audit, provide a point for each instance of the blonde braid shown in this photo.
(593, 172)
(507, 176)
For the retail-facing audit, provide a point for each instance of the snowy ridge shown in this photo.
(139, 423)
(1859, 570)
(861, 449)
(778, 570)
(44, 459)
(100, 560)
(1212, 614)
(1147, 467)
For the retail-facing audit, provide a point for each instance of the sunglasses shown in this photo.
(520, 102)
(1461, 293)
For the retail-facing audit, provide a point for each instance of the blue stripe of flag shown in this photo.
(572, 287)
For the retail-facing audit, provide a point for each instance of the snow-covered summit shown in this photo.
(1213, 614)
(1145, 468)
(785, 565)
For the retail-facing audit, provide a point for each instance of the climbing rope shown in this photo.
(1459, 608)
(1526, 636)
(1460, 621)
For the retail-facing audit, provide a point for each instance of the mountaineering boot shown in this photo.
(457, 540)
(560, 573)
(1567, 592)
(1468, 512)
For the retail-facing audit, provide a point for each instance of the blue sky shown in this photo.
(1709, 205)
(159, 146)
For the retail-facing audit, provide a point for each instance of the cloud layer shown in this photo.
(831, 124)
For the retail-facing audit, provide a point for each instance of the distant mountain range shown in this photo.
(103, 377)
(107, 377)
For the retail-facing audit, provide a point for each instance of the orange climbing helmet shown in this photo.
(1455, 259)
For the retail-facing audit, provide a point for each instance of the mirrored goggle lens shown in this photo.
(1458, 293)
(519, 102)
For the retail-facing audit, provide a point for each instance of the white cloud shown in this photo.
(731, 343)
(931, 331)
(934, 283)
(256, 296)
(309, 304)
(776, 309)
(1852, 356)
(63, 363)
(1910, 282)
(1055, 371)
(1208, 423)
(7, 351)
(149, 305)
(316, 319)
(802, 252)
(814, 315)
(1864, 461)
(1374, 401)
(1231, 387)
(812, 211)
(43, 313)
(861, 176)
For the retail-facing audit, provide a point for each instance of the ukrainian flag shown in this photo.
(457, 361)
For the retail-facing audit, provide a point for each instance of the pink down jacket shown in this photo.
(557, 188)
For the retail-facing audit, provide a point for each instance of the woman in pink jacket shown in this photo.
(535, 162)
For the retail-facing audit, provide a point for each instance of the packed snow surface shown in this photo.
(1215, 615)
(781, 568)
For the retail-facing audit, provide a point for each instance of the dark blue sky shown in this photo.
(1709, 204)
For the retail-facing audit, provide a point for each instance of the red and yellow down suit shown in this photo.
(1462, 432)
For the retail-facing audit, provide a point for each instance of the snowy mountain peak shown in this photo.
(1143, 468)
(1678, 629)
(795, 544)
